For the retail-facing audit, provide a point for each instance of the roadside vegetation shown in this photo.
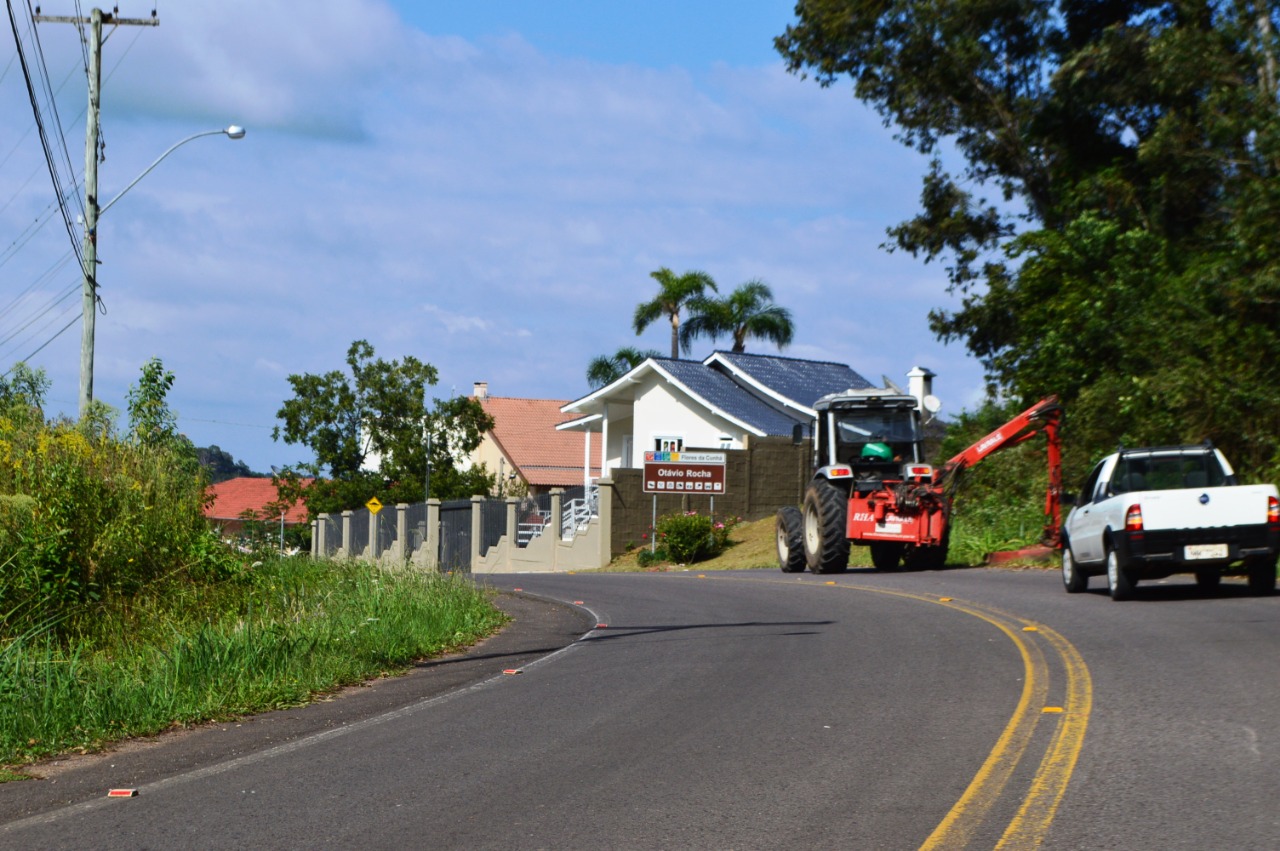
(983, 526)
(275, 634)
(123, 614)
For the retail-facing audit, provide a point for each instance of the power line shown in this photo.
(44, 138)
(73, 312)
(49, 304)
(40, 223)
(51, 96)
(45, 343)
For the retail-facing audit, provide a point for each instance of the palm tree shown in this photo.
(673, 294)
(748, 311)
(606, 370)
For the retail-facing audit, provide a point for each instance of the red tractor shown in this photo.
(872, 486)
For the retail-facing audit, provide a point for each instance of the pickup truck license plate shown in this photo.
(1200, 551)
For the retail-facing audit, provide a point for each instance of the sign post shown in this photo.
(375, 505)
(698, 473)
(684, 472)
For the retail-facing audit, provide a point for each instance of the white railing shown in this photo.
(577, 513)
(528, 530)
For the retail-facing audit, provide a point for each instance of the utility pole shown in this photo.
(90, 295)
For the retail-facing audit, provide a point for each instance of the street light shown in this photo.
(92, 212)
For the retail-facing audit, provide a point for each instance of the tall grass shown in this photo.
(186, 653)
(1000, 502)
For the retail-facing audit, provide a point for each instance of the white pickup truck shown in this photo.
(1150, 513)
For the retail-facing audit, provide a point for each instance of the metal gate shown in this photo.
(455, 535)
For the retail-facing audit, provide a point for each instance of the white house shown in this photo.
(723, 401)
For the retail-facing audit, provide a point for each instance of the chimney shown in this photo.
(920, 383)
(481, 390)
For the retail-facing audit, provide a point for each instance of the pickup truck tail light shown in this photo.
(1273, 510)
(1133, 519)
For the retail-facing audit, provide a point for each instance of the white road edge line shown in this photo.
(297, 744)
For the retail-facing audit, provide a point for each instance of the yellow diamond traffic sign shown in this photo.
(373, 505)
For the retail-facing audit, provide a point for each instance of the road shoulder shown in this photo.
(538, 627)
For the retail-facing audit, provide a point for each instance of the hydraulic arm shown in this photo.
(1043, 417)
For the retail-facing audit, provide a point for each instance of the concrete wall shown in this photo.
(588, 548)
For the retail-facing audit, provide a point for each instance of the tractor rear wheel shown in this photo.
(928, 557)
(886, 555)
(789, 525)
(826, 512)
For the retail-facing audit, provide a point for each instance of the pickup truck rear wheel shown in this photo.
(1262, 575)
(790, 528)
(826, 512)
(1074, 579)
(1208, 578)
(1118, 579)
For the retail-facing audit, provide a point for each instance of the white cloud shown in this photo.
(487, 208)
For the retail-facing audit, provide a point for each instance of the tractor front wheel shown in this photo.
(826, 511)
(789, 526)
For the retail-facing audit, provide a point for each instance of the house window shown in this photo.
(626, 451)
(668, 443)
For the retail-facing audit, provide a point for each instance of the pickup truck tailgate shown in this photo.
(1202, 508)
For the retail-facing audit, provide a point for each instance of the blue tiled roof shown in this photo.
(717, 390)
(802, 381)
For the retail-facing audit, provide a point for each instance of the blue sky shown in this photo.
(483, 186)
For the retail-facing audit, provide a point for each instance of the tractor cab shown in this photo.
(876, 434)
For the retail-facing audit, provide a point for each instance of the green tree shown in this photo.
(748, 311)
(378, 412)
(151, 422)
(1110, 233)
(220, 465)
(22, 390)
(606, 370)
(674, 293)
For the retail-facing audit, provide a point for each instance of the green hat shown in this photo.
(877, 452)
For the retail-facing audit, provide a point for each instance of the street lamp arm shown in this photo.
(232, 132)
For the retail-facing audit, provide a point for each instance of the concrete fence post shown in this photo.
(606, 520)
(513, 529)
(432, 542)
(401, 549)
(557, 523)
(346, 534)
(477, 505)
(317, 536)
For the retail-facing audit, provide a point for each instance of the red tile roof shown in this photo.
(525, 430)
(235, 496)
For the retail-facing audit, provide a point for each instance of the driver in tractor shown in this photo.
(876, 462)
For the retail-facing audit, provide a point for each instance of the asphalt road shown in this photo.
(959, 708)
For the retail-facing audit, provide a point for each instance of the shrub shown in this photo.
(648, 558)
(83, 515)
(692, 537)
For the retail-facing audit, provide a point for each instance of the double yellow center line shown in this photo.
(1030, 824)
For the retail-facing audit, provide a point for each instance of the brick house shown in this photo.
(231, 501)
(524, 449)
